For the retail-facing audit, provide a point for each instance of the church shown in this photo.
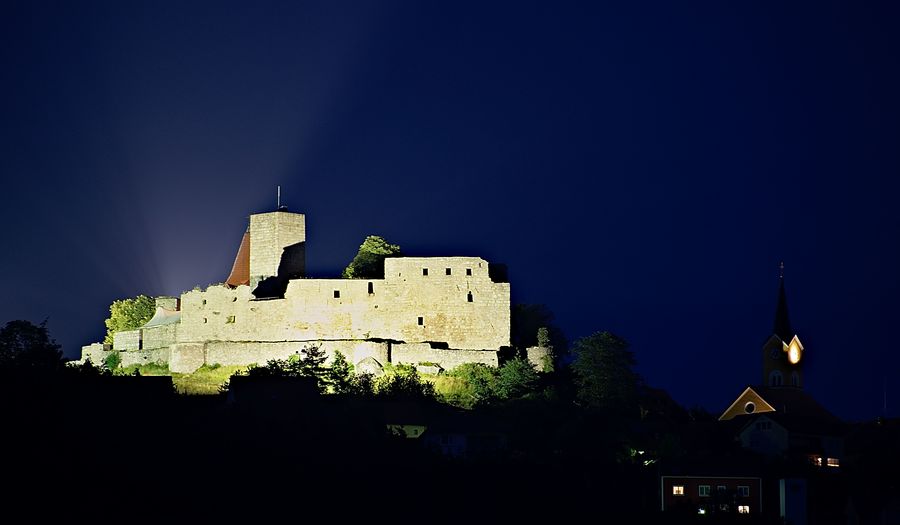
(777, 417)
(788, 447)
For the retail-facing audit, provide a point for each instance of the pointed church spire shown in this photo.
(782, 326)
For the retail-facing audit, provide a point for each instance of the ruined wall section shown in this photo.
(420, 353)
(161, 336)
(127, 340)
(465, 309)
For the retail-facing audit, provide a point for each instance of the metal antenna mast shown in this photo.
(278, 207)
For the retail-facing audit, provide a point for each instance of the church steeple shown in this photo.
(782, 326)
(783, 351)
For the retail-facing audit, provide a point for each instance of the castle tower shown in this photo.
(782, 354)
(277, 246)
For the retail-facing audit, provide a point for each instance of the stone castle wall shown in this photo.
(464, 311)
(450, 302)
(448, 359)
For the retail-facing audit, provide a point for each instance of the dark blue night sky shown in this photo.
(641, 168)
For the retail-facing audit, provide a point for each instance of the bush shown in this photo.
(112, 361)
(517, 378)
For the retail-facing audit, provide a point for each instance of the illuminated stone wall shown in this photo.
(158, 356)
(463, 311)
(448, 359)
(162, 336)
(96, 352)
(128, 340)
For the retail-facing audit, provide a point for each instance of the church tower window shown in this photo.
(775, 378)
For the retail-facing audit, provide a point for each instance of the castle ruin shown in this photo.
(434, 311)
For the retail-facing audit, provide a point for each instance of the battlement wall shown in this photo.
(463, 309)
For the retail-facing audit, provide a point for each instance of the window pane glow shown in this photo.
(678, 490)
(833, 462)
(743, 509)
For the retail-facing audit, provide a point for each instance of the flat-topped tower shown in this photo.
(278, 246)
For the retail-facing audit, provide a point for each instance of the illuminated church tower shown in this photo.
(782, 354)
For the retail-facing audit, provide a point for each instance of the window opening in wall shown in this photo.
(743, 509)
(704, 490)
(449, 271)
(720, 489)
(337, 294)
(468, 271)
(469, 297)
(775, 378)
(421, 321)
(371, 288)
(204, 320)
(833, 462)
(424, 271)
(204, 302)
(230, 319)
(678, 490)
(744, 491)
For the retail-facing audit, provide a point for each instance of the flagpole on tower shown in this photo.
(278, 206)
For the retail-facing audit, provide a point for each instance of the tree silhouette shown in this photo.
(26, 346)
(604, 377)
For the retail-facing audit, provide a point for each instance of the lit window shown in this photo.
(424, 271)
(833, 462)
(743, 491)
(337, 294)
(701, 510)
(678, 490)
(743, 509)
(704, 490)
(448, 271)
(816, 460)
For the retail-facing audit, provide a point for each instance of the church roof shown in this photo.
(240, 270)
(795, 402)
(791, 407)
(782, 325)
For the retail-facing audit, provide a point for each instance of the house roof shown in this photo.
(790, 407)
(795, 402)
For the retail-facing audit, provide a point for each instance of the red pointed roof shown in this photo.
(240, 271)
